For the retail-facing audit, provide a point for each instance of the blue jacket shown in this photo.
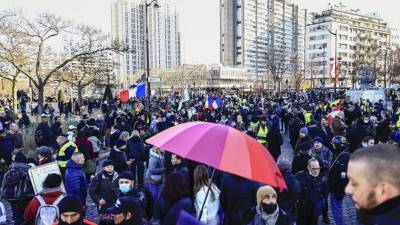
(287, 199)
(168, 212)
(135, 148)
(238, 197)
(313, 192)
(75, 180)
(387, 213)
(6, 148)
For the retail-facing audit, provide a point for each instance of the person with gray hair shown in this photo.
(75, 179)
(374, 184)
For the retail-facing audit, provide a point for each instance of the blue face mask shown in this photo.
(124, 188)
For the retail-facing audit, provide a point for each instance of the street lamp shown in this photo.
(336, 44)
(156, 6)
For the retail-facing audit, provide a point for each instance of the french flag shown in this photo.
(209, 103)
(216, 103)
(137, 91)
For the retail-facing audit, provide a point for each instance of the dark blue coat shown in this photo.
(287, 199)
(6, 148)
(168, 212)
(75, 180)
(43, 135)
(387, 213)
(135, 148)
(238, 197)
(114, 138)
(313, 192)
(104, 187)
(119, 159)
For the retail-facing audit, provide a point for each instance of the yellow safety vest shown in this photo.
(254, 126)
(307, 117)
(63, 164)
(398, 123)
(262, 135)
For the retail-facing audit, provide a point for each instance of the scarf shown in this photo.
(268, 219)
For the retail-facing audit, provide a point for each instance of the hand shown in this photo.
(102, 202)
(2, 161)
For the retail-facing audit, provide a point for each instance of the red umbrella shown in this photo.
(223, 148)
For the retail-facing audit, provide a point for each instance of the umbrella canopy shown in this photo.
(223, 148)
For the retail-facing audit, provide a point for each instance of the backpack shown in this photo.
(16, 185)
(47, 213)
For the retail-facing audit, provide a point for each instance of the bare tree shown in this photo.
(277, 63)
(368, 58)
(298, 73)
(46, 62)
(312, 68)
(393, 69)
(11, 74)
(85, 71)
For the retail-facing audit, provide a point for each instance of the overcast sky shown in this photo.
(199, 19)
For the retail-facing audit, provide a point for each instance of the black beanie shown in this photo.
(126, 175)
(20, 157)
(52, 180)
(120, 143)
(108, 162)
(70, 203)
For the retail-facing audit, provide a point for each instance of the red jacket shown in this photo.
(33, 206)
(85, 145)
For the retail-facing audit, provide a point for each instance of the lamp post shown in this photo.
(147, 5)
(336, 45)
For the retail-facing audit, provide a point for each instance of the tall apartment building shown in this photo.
(251, 30)
(361, 42)
(128, 26)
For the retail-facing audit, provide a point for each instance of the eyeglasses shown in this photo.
(315, 168)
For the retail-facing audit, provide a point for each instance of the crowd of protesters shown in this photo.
(339, 148)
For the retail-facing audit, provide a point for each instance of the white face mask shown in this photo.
(314, 174)
(364, 145)
(317, 145)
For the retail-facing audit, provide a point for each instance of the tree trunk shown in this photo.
(40, 98)
(14, 96)
(79, 94)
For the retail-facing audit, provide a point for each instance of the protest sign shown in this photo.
(39, 173)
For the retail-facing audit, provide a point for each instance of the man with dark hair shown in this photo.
(71, 212)
(43, 133)
(51, 192)
(374, 184)
(179, 165)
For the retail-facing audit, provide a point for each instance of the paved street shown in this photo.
(348, 206)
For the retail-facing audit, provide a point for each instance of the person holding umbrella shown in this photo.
(212, 204)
